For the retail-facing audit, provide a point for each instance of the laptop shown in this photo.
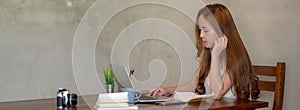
(123, 80)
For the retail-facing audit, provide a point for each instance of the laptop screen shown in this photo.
(122, 76)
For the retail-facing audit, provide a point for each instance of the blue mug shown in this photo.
(133, 94)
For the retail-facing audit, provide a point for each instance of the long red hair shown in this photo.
(238, 63)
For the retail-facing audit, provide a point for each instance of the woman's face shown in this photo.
(208, 33)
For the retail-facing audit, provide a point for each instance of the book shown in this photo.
(130, 107)
(113, 97)
(112, 105)
(120, 106)
(114, 101)
(190, 96)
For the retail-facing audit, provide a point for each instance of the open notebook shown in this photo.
(190, 96)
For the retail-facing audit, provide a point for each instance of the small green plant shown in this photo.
(109, 75)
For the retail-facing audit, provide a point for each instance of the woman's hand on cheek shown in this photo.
(219, 45)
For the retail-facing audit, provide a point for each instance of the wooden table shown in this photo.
(87, 103)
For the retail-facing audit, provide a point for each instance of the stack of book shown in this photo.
(114, 101)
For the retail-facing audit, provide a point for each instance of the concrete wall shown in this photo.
(36, 47)
(36, 43)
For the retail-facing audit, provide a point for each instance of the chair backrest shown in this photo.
(277, 71)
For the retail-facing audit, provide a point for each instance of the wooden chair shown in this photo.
(277, 71)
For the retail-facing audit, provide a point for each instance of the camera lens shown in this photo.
(73, 100)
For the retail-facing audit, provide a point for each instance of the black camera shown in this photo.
(65, 98)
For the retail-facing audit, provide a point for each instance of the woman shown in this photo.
(225, 69)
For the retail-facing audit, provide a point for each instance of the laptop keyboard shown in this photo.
(144, 97)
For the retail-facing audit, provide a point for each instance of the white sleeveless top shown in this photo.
(209, 91)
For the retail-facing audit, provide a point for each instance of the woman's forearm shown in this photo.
(219, 84)
(215, 76)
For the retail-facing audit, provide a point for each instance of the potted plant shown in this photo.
(109, 79)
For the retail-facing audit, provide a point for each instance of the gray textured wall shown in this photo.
(36, 47)
(37, 36)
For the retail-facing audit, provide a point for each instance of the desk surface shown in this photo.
(87, 103)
